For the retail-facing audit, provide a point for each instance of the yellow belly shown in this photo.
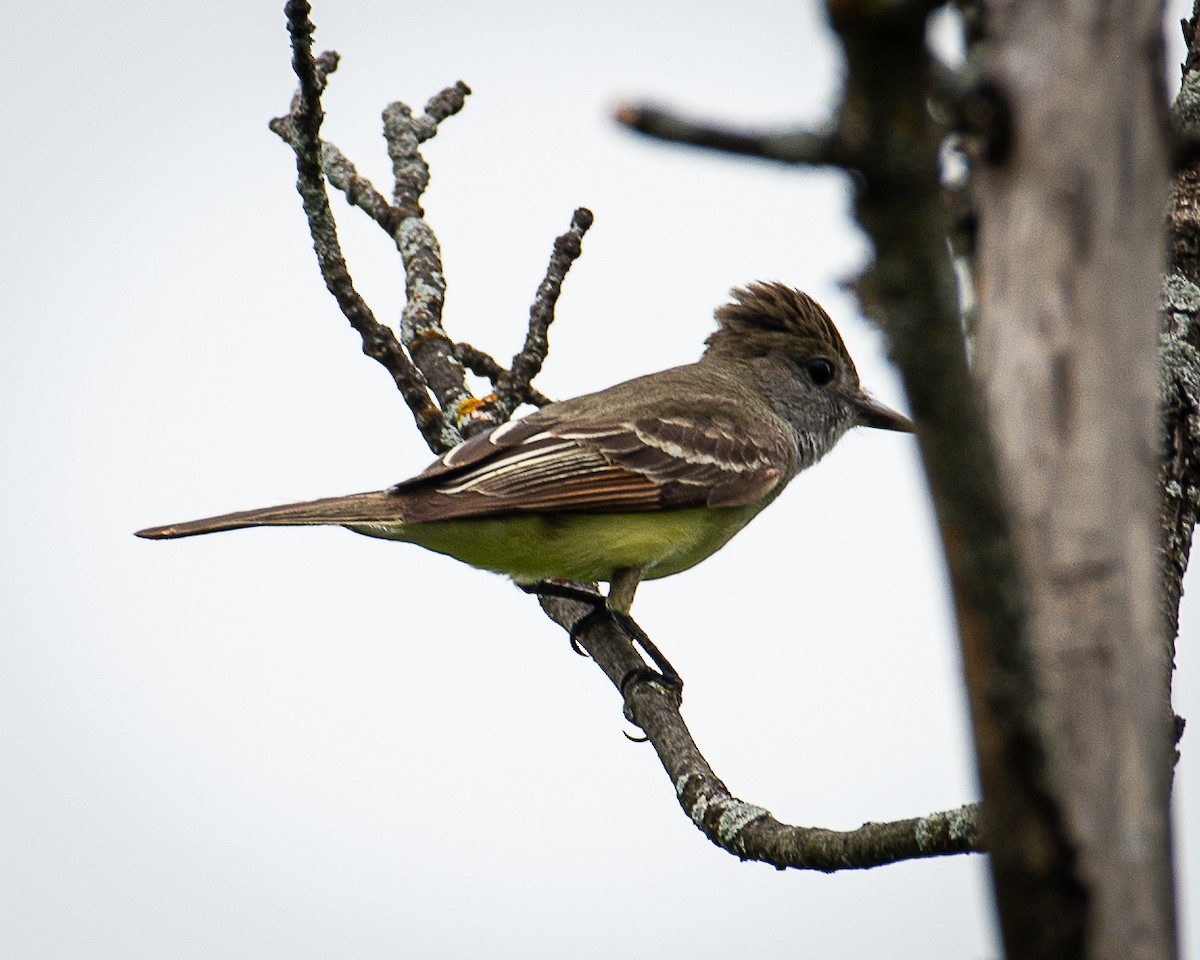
(577, 546)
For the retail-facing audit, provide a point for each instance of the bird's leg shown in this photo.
(620, 598)
(621, 589)
(616, 605)
(667, 675)
(568, 591)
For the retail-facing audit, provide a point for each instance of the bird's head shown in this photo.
(798, 355)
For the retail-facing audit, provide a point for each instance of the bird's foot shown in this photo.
(568, 591)
(564, 590)
(669, 681)
(666, 675)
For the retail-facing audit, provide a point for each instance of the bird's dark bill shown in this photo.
(872, 413)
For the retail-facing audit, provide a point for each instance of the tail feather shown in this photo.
(381, 506)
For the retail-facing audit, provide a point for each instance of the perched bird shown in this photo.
(639, 481)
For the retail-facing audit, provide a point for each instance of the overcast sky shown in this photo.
(307, 744)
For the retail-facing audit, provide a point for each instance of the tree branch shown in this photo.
(513, 389)
(796, 146)
(485, 365)
(436, 362)
(303, 126)
(743, 829)
(421, 329)
(358, 190)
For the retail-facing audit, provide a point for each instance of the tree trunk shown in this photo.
(1070, 252)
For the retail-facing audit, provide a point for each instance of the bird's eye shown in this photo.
(819, 370)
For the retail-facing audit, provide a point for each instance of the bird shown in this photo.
(638, 481)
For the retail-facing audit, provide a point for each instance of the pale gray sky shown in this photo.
(307, 744)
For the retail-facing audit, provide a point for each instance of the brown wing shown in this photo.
(598, 453)
(694, 461)
(547, 464)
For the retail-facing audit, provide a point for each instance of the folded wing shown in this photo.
(546, 464)
(542, 464)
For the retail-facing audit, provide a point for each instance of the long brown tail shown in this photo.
(380, 506)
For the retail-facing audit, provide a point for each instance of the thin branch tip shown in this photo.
(447, 102)
(515, 388)
(791, 146)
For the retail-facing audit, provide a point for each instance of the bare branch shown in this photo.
(484, 365)
(358, 190)
(743, 829)
(445, 104)
(304, 123)
(421, 329)
(343, 176)
(789, 146)
(514, 389)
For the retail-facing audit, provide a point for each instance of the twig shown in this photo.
(514, 389)
(358, 190)
(305, 127)
(342, 175)
(485, 365)
(421, 329)
(795, 146)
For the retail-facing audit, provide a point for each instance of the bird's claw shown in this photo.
(666, 675)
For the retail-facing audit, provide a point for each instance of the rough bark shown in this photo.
(1070, 251)
(1180, 343)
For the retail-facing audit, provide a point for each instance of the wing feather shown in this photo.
(550, 464)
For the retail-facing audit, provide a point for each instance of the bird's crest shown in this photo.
(765, 316)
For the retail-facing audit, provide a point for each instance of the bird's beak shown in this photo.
(872, 413)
